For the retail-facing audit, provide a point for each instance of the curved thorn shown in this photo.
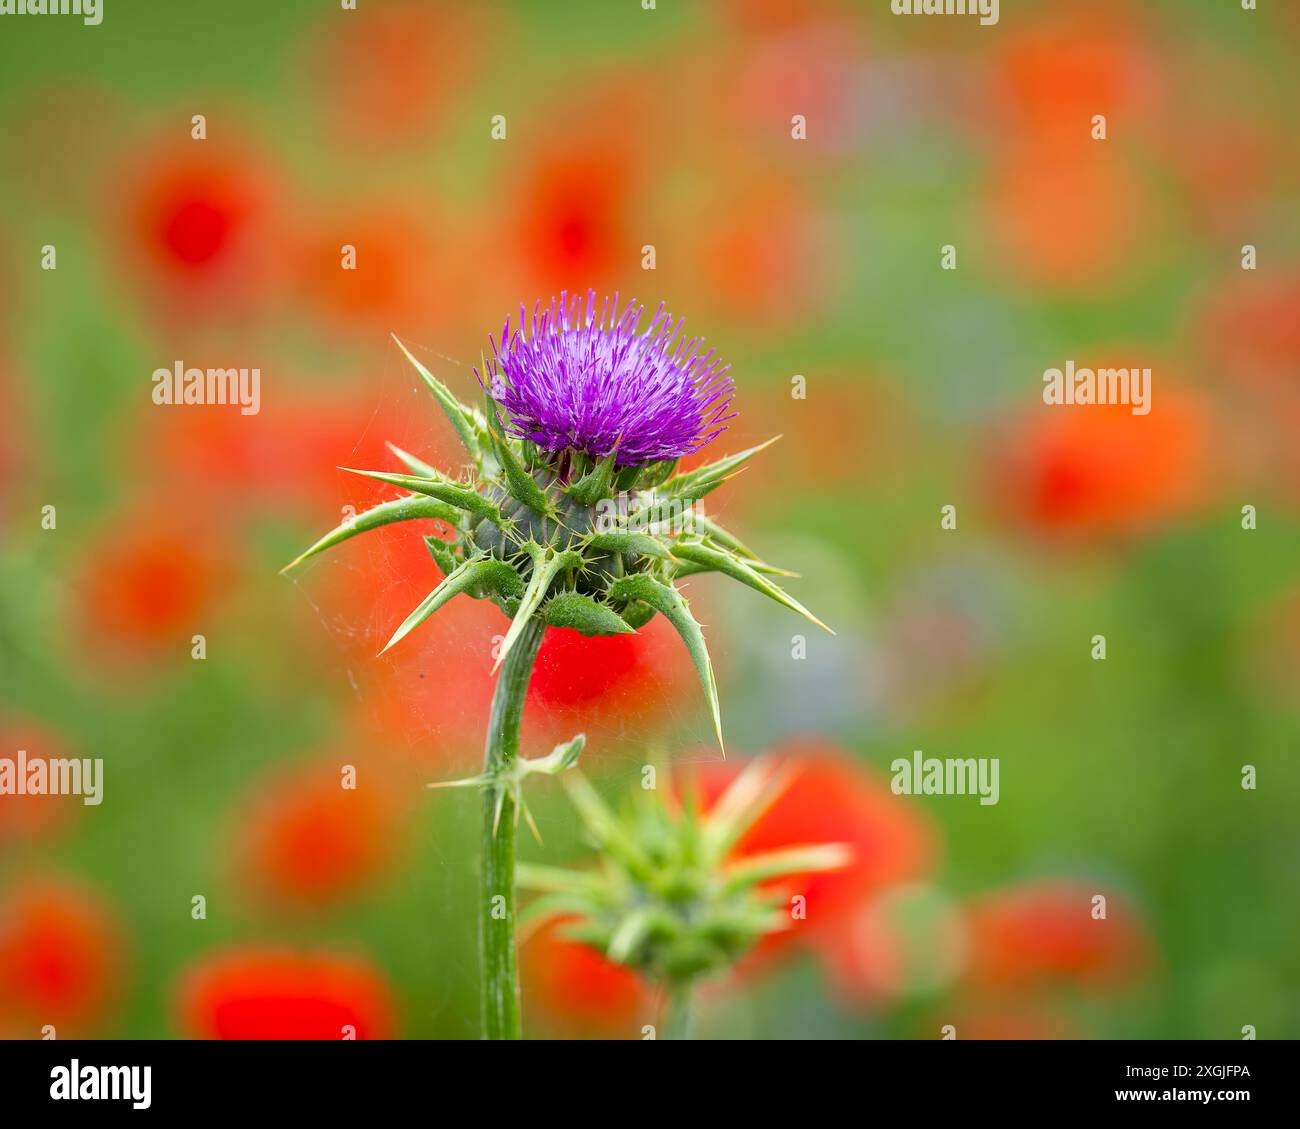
(386, 513)
(669, 603)
(731, 565)
(460, 416)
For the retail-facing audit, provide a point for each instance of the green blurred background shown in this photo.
(669, 129)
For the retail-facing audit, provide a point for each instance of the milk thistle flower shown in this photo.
(572, 513)
(570, 379)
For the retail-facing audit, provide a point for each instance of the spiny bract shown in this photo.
(576, 534)
(671, 897)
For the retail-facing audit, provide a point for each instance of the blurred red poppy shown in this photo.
(61, 959)
(268, 993)
(821, 452)
(384, 75)
(408, 263)
(906, 941)
(304, 840)
(1099, 470)
(574, 216)
(1045, 933)
(32, 817)
(607, 685)
(1076, 221)
(816, 67)
(576, 202)
(286, 455)
(1250, 330)
(577, 990)
(778, 18)
(1225, 140)
(831, 799)
(150, 579)
(430, 696)
(202, 227)
(1054, 72)
(761, 252)
(433, 691)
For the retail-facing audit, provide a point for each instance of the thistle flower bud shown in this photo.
(669, 899)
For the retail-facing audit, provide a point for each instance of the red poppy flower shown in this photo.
(1054, 73)
(1099, 470)
(305, 840)
(1251, 332)
(432, 693)
(201, 226)
(1226, 147)
(430, 696)
(150, 580)
(1068, 222)
(831, 799)
(1043, 933)
(578, 990)
(286, 455)
(606, 684)
(762, 253)
(574, 217)
(60, 959)
(256, 993)
(777, 18)
(907, 941)
(404, 268)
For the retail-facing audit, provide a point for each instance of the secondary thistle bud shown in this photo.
(671, 899)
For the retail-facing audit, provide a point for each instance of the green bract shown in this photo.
(571, 540)
(669, 898)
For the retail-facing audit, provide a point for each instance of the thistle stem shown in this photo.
(500, 983)
(681, 1012)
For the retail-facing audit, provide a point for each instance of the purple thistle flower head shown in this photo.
(582, 378)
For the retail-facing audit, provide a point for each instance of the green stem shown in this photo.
(500, 985)
(681, 1013)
